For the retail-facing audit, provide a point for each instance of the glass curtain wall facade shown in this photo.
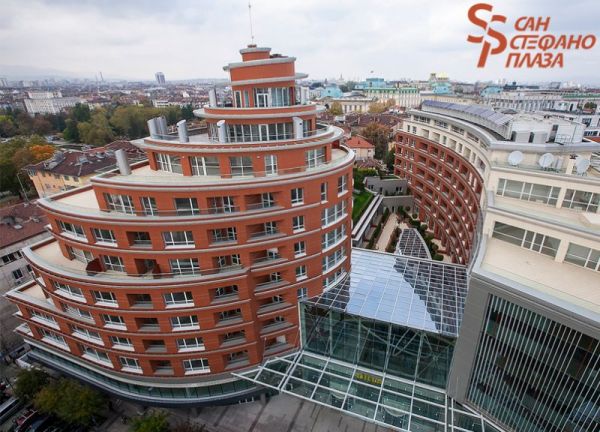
(535, 374)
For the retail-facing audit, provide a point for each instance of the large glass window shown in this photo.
(583, 200)
(332, 237)
(80, 255)
(280, 96)
(119, 203)
(315, 157)
(187, 206)
(72, 229)
(205, 166)
(105, 297)
(114, 263)
(185, 266)
(196, 366)
(104, 235)
(190, 344)
(169, 163)
(261, 97)
(333, 213)
(222, 204)
(270, 165)
(69, 291)
(528, 191)
(178, 238)
(183, 298)
(526, 239)
(149, 206)
(184, 322)
(297, 196)
(241, 166)
(583, 256)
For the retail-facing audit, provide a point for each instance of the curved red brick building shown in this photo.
(162, 278)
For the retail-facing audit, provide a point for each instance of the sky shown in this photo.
(393, 39)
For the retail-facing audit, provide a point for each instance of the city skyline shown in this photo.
(393, 40)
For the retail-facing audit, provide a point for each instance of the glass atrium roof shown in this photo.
(374, 396)
(413, 292)
(412, 244)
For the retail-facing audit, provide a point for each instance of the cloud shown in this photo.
(191, 39)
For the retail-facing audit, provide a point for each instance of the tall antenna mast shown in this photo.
(250, 16)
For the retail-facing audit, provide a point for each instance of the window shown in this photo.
(184, 322)
(114, 263)
(297, 196)
(237, 99)
(80, 313)
(119, 203)
(104, 235)
(86, 334)
(72, 229)
(342, 184)
(280, 131)
(315, 157)
(106, 297)
(302, 292)
(11, 257)
(226, 291)
(333, 279)
(130, 363)
(270, 165)
(298, 223)
(178, 238)
(280, 96)
(301, 272)
(241, 166)
(270, 228)
(224, 204)
(578, 199)
(43, 317)
(192, 366)
(186, 206)
(332, 237)
(526, 239)
(121, 342)
(68, 291)
(95, 355)
(185, 266)
(232, 336)
(183, 298)
(53, 338)
(228, 261)
(261, 97)
(583, 256)
(267, 200)
(80, 255)
(333, 214)
(149, 206)
(17, 275)
(333, 259)
(168, 163)
(223, 235)
(230, 314)
(299, 249)
(113, 320)
(141, 238)
(528, 191)
(190, 344)
(205, 166)
(323, 191)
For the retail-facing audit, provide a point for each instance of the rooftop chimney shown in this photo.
(122, 162)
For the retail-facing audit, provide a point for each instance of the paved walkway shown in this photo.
(282, 413)
(386, 232)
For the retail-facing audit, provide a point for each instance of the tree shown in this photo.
(41, 152)
(7, 126)
(336, 109)
(24, 123)
(187, 112)
(129, 121)
(29, 383)
(97, 131)
(379, 135)
(41, 126)
(390, 158)
(70, 401)
(71, 132)
(187, 426)
(380, 107)
(153, 421)
(81, 113)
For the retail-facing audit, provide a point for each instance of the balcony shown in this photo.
(47, 256)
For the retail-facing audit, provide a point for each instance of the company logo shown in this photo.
(532, 46)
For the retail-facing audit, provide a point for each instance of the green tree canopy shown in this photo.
(70, 401)
(97, 131)
(152, 421)
(29, 383)
(336, 109)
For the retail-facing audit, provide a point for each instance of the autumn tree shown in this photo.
(41, 126)
(379, 135)
(336, 109)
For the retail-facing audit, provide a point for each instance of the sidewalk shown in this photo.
(386, 232)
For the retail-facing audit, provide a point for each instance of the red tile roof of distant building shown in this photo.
(31, 219)
(359, 142)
